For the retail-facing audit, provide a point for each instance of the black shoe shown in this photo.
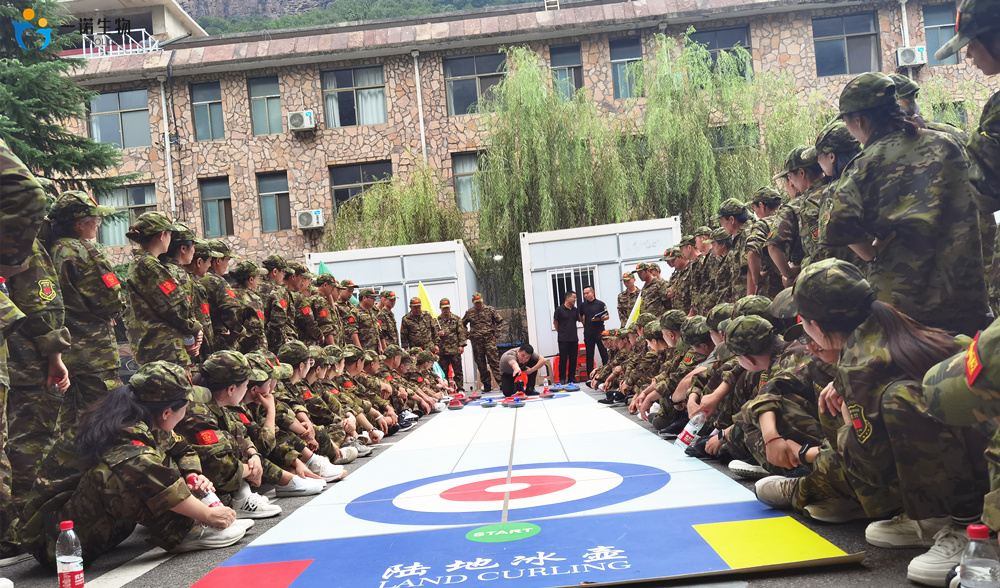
(487, 389)
(799, 472)
(392, 430)
(697, 449)
(531, 392)
(404, 425)
(674, 429)
(11, 554)
(614, 398)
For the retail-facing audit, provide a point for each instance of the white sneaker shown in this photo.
(902, 532)
(655, 409)
(322, 467)
(364, 438)
(347, 455)
(775, 491)
(300, 486)
(747, 470)
(253, 506)
(363, 450)
(247, 524)
(833, 510)
(931, 568)
(202, 537)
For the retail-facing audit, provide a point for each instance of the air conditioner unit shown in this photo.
(310, 219)
(911, 56)
(302, 120)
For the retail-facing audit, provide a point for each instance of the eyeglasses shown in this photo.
(804, 340)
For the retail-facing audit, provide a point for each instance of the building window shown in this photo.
(207, 101)
(471, 79)
(717, 41)
(265, 99)
(134, 199)
(464, 167)
(567, 70)
(354, 97)
(624, 52)
(939, 26)
(846, 44)
(954, 113)
(736, 136)
(569, 279)
(121, 118)
(216, 207)
(350, 180)
(275, 211)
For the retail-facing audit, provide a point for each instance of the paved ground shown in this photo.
(126, 566)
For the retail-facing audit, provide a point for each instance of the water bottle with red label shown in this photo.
(69, 557)
(209, 498)
(690, 432)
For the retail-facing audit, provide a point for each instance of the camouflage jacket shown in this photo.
(224, 309)
(22, 207)
(689, 361)
(789, 387)
(279, 323)
(768, 284)
(262, 437)
(809, 219)
(702, 293)
(323, 313)
(452, 335)
(387, 322)
(319, 410)
(306, 327)
(738, 261)
(654, 297)
(221, 442)
(369, 330)
(159, 313)
(720, 288)
(626, 300)
(681, 285)
(484, 325)
(250, 318)
(202, 310)
(348, 321)
(418, 331)
(35, 291)
(984, 152)
(92, 297)
(372, 386)
(914, 194)
(11, 318)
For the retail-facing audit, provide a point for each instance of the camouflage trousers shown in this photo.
(455, 361)
(794, 421)
(104, 512)
(271, 472)
(7, 511)
(485, 354)
(288, 448)
(329, 438)
(86, 390)
(33, 415)
(991, 504)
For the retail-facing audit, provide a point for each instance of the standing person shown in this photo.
(387, 320)
(594, 314)
(514, 362)
(368, 335)
(766, 203)
(655, 295)
(197, 270)
(451, 341)
(274, 295)
(720, 241)
(328, 288)
(345, 309)
(418, 328)
(484, 324)
(905, 205)
(733, 217)
(626, 300)
(564, 322)
(93, 299)
(223, 308)
(250, 317)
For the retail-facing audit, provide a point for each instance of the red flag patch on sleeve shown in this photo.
(207, 438)
(348, 385)
(307, 394)
(168, 287)
(260, 314)
(110, 280)
(306, 310)
(350, 320)
(138, 443)
(230, 293)
(283, 302)
(204, 308)
(334, 391)
(323, 312)
(420, 378)
(244, 419)
(973, 365)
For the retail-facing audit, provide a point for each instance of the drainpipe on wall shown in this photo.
(166, 141)
(906, 33)
(420, 105)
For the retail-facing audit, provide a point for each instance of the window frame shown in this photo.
(275, 196)
(876, 66)
(363, 185)
(626, 67)
(477, 76)
(576, 279)
(119, 111)
(267, 106)
(208, 103)
(354, 90)
(575, 71)
(133, 209)
(477, 193)
(931, 61)
(224, 206)
(717, 50)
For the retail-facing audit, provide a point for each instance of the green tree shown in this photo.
(37, 98)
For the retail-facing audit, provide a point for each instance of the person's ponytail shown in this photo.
(99, 427)
(913, 346)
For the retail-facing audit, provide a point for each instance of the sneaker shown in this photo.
(615, 398)
(246, 524)
(902, 532)
(322, 467)
(931, 568)
(775, 491)
(953, 581)
(835, 510)
(655, 409)
(11, 554)
(347, 455)
(300, 486)
(364, 438)
(404, 425)
(363, 450)
(673, 429)
(202, 537)
(253, 506)
(750, 471)
(697, 449)
(408, 415)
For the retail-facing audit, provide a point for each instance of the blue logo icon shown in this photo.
(21, 27)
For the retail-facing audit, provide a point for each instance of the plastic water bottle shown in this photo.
(211, 499)
(545, 384)
(69, 557)
(3, 286)
(690, 432)
(980, 567)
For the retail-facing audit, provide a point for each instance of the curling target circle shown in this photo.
(533, 491)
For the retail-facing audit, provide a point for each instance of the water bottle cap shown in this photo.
(981, 532)
(65, 525)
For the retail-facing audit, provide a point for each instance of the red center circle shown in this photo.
(538, 486)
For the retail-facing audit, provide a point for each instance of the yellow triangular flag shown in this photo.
(635, 311)
(425, 301)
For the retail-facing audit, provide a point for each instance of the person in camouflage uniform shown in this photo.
(683, 284)
(786, 243)
(328, 289)
(278, 319)
(451, 341)
(22, 208)
(908, 190)
(11, 318)
(418, 328)
(197, 270)
(387, 320)
(484, 324)
(766, 204)
(366, 320)
(346, 311)
(702, 299)
(180, 254)
(93, 298)
(734, 218)
(109, 479)
(655, 296)
(626, 300)
(720, 288)
(223, 307)
(835, 148)
(250, 318)
(303, 320)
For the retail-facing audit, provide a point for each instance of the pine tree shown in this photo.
(37, 97)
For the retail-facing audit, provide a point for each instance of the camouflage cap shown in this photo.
(749, 335)
(905, 86)
(644, 319)
(719, 313)
(294, 353)
(445, 303)
(353, 353)
(333, 354)
(182, 232)
(260, 363)
(869, 90)
(672, 320)
(221, 247)
(405, 359)
(150, 223)
(370, 356)
(798, 158)
(299, 269)
(723, 325)
(244, 270)
(654, 266)
(414, 301)
(833, 290)
(703, 231)
(835, 138)
(628, 276)
(425, 356)
(345, 284)
(623, 333)
(642, 267)
(732, 207)
(767, 196)
(694, 331)
(226, 367)
(76, 204)
(976, 18)
(202, 250)
(653, 332)
(316, 353)
(783, 306)
(366, 293)
(326, 279)
(719, 235)
(387, 295)
(162, 381)
(965, 389)
(275, 262)
(686, 240)
(753, 305)
(414, 350)
(393, 351)
(282, 371)
(477, 297)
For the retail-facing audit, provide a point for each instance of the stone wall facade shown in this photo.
(779, 42)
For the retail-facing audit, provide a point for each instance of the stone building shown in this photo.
(235, 169)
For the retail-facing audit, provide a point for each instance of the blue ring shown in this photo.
(637, 480)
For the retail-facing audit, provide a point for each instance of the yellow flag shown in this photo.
(425, 301)
(635, 311)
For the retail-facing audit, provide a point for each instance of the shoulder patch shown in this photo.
(138, 443)
(168, 287)
(283, 303)
(420, 378)
(46, 290)
(350, 319)
(244, 419)
(204, 308)
(230, 293)
(348, 385)
(862, 428)
(306, 310)
(973, 365)
(334, 391)
(307, 394)
(207, 438)
(110, 280)
(323, 312)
